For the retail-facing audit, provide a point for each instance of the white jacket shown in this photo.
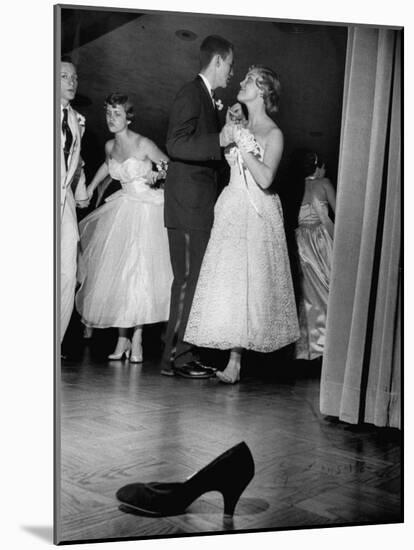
(75, 171)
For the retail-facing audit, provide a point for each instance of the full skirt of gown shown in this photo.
(124, 264)
(315, 255)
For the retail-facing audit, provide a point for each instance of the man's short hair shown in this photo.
(211, 46)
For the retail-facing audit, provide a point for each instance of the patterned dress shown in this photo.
(244, 296)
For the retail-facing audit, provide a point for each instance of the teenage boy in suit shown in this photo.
(194, 145)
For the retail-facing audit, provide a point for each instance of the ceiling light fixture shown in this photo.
(184, 34)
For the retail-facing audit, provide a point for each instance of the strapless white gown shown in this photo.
(315, 254)
(244, 295)
(124, 264)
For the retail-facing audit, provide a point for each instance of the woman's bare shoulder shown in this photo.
(142, 142)
(109, 145)
(273, 140)
(322, 187)
(272, 133)
(324, 182)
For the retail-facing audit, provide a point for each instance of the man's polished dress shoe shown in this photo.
(208, 368)
(229, 474)
(195, 369)
(192, 369)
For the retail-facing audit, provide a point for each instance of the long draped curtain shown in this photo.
(361, 369)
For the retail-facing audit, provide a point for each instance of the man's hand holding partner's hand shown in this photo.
(235, 114)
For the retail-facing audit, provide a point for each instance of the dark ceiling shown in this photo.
(151, 55)
(82, 26)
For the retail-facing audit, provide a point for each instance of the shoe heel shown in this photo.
(231, 498)
(119, 356)
(232, 495)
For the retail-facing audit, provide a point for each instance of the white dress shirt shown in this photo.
(208, 85)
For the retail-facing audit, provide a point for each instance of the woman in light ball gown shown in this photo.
(314, 237)
(244, 297)
(125, 271)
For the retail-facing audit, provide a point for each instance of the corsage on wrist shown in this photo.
(245, 141)
(162, 168)
(159, 175)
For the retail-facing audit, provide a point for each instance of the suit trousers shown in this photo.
(68, 256)
(187, 248)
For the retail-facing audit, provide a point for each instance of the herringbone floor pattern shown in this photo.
(122, 423)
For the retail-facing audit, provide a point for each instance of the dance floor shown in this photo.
(122, 423)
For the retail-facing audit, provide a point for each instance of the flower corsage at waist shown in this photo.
(156, 178)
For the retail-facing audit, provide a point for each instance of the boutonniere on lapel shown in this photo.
(219, 104)
(81, 120)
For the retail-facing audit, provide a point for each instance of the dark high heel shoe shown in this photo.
(230, 473)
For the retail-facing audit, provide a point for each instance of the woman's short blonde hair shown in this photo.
(269, 83)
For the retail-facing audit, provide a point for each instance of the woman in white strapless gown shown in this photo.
(244, 297)
(314, 237)
(124, 265)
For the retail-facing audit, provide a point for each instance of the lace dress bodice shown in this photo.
(242, 181)
(236, 163)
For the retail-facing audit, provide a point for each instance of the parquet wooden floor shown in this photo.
(122, 423)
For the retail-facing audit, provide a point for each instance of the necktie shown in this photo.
(68, 136)
(213, 96)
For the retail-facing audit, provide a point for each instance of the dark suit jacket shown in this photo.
(194, 150)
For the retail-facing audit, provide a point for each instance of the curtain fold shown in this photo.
(361, 368)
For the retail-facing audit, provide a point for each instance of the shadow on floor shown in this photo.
(43, 532)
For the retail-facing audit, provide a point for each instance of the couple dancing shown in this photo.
(231, 283)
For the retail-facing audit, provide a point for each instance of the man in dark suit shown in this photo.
(194, 143)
